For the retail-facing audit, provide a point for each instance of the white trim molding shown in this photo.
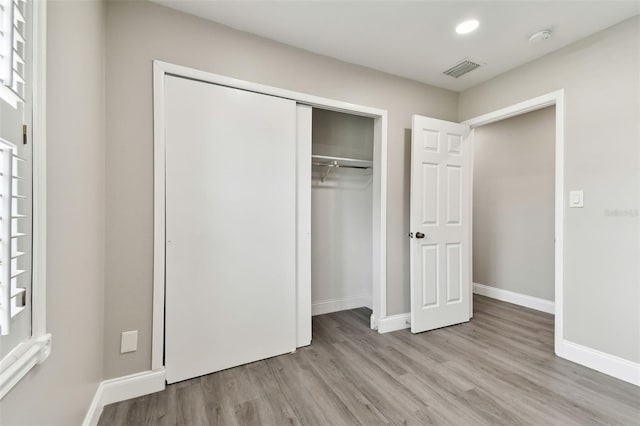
(39, 140)
(603, 362)
(304, 122)
(515, 298)
(123, 388)
(334, 305)
(520, 108)
(394, 323)
(17, 363)
(379, 281)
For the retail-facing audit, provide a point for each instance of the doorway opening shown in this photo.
(513, 204)
(513, 215)
(342, 213)
(518, 205)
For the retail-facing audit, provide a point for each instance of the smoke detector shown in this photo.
(540, 36)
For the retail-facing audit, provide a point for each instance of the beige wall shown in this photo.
(137, 33)
(599, 74)
(59, 391)
(513, 204)
(601, 79)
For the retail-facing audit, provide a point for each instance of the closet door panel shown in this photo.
(230, 227)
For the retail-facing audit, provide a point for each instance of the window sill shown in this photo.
(21, 360)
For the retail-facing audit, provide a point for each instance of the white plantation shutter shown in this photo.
(15, 176)
(13, 296)
(15, 172)
(12, 50)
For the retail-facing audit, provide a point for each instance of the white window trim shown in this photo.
(25, 356)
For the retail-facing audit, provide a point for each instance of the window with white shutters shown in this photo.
(12, 50)
(13, 296)
(15, 174)
(24, 341)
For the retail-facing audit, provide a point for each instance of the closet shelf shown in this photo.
(328, 161)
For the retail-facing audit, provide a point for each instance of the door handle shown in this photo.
(419, 235)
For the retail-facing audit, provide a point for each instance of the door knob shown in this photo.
(419, 235)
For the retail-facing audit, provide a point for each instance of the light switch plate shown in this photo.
(576, 199)
(129, 341)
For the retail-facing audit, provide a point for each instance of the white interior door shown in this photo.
(230, 227)
(440, 224)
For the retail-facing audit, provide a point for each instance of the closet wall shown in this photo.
(341, 214)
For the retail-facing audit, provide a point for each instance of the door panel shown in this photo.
(440, 224)
(230, 227)
(430, 275)
(430, 193)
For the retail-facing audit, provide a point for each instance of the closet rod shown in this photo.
(334, 165)
(341, 161)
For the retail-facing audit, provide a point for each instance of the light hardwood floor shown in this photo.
(497, 369)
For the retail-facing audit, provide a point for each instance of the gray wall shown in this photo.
(600, 75)
(137, 33)
(513, 204)
(59, 391)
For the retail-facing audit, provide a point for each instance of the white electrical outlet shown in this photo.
(129, 341)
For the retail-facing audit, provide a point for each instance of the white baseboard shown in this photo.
(600, 361)
(611, 365)
(335, 305)
(394, 322)
(95, 409)
(515, 298)
(123, 388)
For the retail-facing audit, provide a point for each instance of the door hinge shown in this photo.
(24, 134)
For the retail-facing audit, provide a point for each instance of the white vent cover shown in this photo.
(461, 68)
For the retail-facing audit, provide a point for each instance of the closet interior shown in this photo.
(341, 211)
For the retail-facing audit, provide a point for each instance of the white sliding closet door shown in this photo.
(230, 227)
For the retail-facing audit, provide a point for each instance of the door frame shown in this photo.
(554, 98)
(379, 255)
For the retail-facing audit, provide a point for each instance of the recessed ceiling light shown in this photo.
(467, 26)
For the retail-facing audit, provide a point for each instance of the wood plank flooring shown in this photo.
(497, 369)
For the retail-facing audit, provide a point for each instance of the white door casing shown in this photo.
(230, 227)
(304, 122)
(440, 224)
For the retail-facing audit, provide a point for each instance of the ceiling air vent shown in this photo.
(461, 68)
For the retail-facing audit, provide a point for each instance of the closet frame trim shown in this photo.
(162, 69)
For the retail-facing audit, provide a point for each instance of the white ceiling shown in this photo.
(417, 39)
